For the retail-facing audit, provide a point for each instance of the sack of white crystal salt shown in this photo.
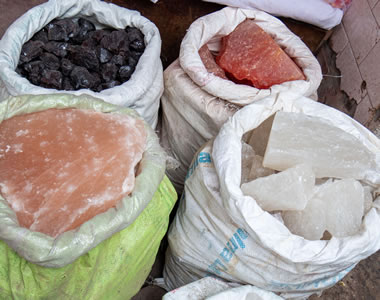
(210, 288)
(111, 64)
(196, 102)
(75, 211)
(221, 232)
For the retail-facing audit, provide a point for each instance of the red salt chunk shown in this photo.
(62, 167)
(249, 55)
(209, 62)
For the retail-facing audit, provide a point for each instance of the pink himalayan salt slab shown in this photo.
(209, 62)
(61, 167)
(250, 56)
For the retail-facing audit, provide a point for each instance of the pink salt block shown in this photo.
(61, 167)
(250, 56)
(209, 62)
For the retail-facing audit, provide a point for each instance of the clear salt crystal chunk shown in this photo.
(247, 155)
(309, 223)
(257, 169)
(345, 206)
(335, 206)
(287, 190)
(296, 138)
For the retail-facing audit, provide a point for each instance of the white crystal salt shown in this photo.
(298, 138)
(247, 156)
(335, 206)
(287, 190)
(257, 169)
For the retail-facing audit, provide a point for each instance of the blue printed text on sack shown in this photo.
(203, 157)
(234, 243)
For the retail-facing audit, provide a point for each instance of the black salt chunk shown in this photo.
(132, 62)
(97, 80)
(34, 78)
(51, 79)
(86, 25)
(31, 50)
(134, 34)
(118, 60)
(66, 85)
(41, 36)
(50, 61)
(113, 41)
(137, 45)
(135, 54)
(61, 30)
(109, 71)
(56, 48)
(35, 67)
(99, 34)
(86, 57)
(89, 43)
(56, 32)
(66, 66)
(125, 73)
(104, 55)
(81, 78)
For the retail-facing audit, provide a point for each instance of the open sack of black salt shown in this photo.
(84, 46)
(286, 198)
(84, 199)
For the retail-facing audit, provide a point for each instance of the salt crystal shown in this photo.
(247, 155)
(251, 56)
(344, 201)
(85, 165)
(335, 206)
(287, 190)
(257, 169)
(297, 138)
(309, 223)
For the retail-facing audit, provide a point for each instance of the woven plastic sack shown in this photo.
(141, 92)
(220, 232)
(107, 257)
(317, 12)
(195, 103)
(210, 288)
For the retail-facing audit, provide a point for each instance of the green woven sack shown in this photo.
(108, 257)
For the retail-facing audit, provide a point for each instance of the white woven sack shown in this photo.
(220, 232)
(316, 12)
(196, 103)
(141, 92)
(210, 288)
